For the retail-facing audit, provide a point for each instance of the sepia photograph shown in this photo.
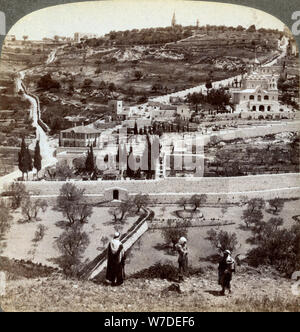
(149, 160)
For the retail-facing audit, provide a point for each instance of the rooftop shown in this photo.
(82, 130)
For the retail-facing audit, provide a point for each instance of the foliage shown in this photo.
(18, 193)
(175, 231)
(222, 240)
(47, 83)
(63, 171)
(183, 202)
(31, 208)
(72, 243)
(253, 214)
(141, 201)
(277, 247)
(198, 200)
(37, 160)
(5, 218)
(72, 205)
(277, 203)
(24, 159)
(40, 233)
(90, 161)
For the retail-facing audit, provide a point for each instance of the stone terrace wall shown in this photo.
(285, 184)
(272, 128)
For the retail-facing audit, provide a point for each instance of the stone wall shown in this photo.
(170, 189)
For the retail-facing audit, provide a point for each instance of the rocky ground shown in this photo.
(253, 290)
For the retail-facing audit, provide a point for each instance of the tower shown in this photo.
(197, 23)
(173, 20)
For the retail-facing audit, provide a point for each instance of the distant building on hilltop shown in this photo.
(173, 22)
(80, 35)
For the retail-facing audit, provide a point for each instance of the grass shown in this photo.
(251, 293)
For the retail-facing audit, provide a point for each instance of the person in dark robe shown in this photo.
(226, 268)
(115, 261)
(182, 250)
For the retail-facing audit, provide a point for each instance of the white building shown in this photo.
(257, 96)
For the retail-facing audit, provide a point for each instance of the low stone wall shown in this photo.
(171, 189)
(128, 242)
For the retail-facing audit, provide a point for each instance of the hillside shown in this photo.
(94, 71)
(253, 290)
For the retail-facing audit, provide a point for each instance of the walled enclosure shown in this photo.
(165, 191)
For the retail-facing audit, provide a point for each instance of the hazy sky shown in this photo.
(104, 16)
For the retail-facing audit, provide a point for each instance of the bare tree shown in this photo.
(31, 209)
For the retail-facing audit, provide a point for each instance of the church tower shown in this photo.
(173, 23)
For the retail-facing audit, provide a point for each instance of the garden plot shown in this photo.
(150, 249)
(19, 244)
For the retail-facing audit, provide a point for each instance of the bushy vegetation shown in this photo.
(276, 246)
(5, 219)
(15, 103)
(222, 240)
(73, 242)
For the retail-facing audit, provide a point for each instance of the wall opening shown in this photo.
(116, 195)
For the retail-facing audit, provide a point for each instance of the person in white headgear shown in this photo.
(182, 250)
(226, 268)
(115, 273)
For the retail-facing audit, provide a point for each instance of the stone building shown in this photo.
(256, 96)
(82, 136)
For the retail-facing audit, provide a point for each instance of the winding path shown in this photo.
(47, 144)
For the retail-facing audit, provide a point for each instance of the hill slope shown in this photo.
(253, 290)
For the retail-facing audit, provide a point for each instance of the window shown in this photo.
(266, 97)
(259, 98)
(251, 97)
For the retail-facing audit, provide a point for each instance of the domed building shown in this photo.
(256, 96)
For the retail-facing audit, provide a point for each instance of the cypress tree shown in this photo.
(22, 158)
(135, 128)
(37, 161)
(28, 161)
(90, 161)
(130, 171)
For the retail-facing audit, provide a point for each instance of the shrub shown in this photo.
(277, 247)
(72, 243)
(222, 240)
(31, 209)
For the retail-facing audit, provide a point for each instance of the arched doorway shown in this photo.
(116, 195)
(261, 108)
